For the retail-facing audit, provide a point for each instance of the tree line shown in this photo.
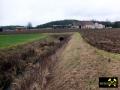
(61, 22)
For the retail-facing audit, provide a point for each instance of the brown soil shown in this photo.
(108, 40)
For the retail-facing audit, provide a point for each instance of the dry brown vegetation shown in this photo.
(24, 65)
(41, 66)
(80, 65)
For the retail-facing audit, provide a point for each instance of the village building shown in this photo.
(80, 25)
(19, 29)
(84, 25)
(99, 26)
(87, 25)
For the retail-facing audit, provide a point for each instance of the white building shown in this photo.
(84, 25)
(75, 26)
(87, 25)
(99, 26)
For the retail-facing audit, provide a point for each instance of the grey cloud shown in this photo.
(42, 11)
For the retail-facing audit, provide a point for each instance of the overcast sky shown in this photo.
(20, 12)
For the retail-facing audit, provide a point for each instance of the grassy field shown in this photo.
(16, 39)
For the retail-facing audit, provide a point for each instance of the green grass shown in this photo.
(7, 41)
(106, 54)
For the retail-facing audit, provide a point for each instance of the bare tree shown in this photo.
(29, 26)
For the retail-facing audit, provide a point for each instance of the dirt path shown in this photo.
(80, 66)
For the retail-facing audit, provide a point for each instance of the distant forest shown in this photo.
(65, 23)
(62, 22)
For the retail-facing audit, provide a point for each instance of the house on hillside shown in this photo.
(84, 25)
(87, 25)
(99, 26)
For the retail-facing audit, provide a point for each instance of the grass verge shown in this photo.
(7, 41)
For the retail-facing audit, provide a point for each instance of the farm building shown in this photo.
(18, 29)
(99, 26)
(87, 25)
(12, 28)
(84, 24)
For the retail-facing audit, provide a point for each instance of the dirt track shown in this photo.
(80, 66)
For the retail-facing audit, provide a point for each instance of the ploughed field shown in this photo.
(108, 40)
